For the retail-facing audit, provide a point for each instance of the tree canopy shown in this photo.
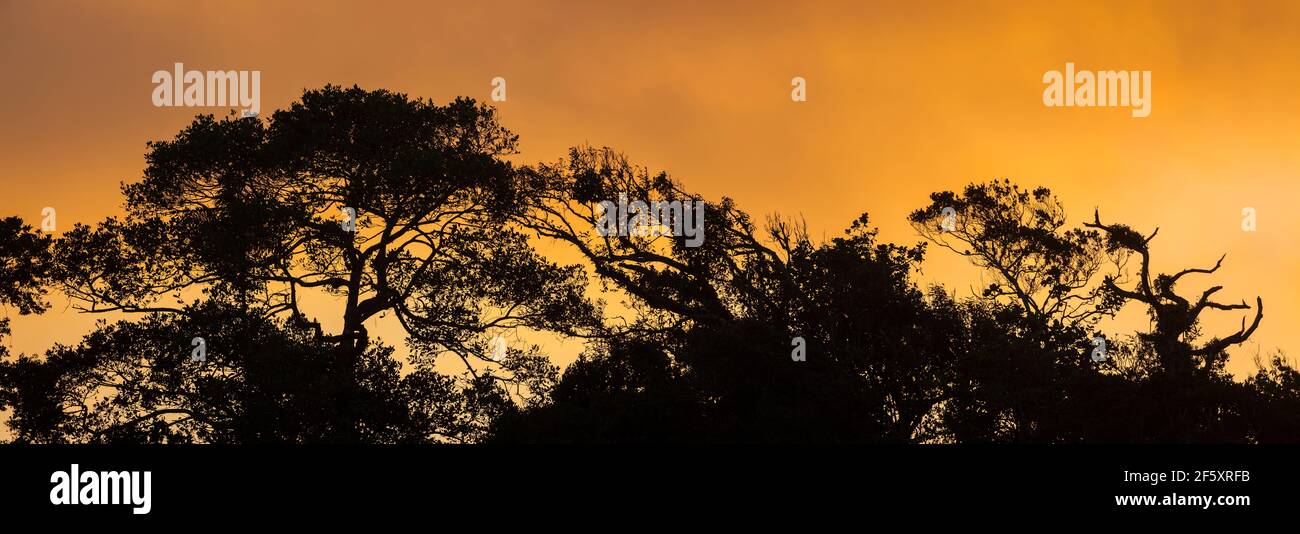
(403, 208)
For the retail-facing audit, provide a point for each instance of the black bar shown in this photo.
(324, 482)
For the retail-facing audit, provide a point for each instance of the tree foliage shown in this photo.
(405, 209)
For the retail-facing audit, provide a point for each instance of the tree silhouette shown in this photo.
(25, 264)
(1175, 317)
(404, 208)
(625, 390)
(261, 381)
(25, 268)
(1274, 393)
(250, 214)
(1025, 375)
(1020, 378)
(1018, 235)
(723, 316)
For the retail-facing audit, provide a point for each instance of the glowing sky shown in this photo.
(904, 99)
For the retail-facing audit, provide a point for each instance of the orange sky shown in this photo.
(904, 99)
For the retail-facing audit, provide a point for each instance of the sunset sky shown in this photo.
(904, 99)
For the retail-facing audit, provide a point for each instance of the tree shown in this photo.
(1015, 377)
(723, 317)
(1274, 401)
(1019, 235)
(249, 213)
(747, 332)
(621, 390)
(25, 266)
(261, 380)
(1175, 317)
(1017, 391)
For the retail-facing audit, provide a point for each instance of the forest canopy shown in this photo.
(744, 329)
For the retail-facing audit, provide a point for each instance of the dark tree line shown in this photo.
(408, 209)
